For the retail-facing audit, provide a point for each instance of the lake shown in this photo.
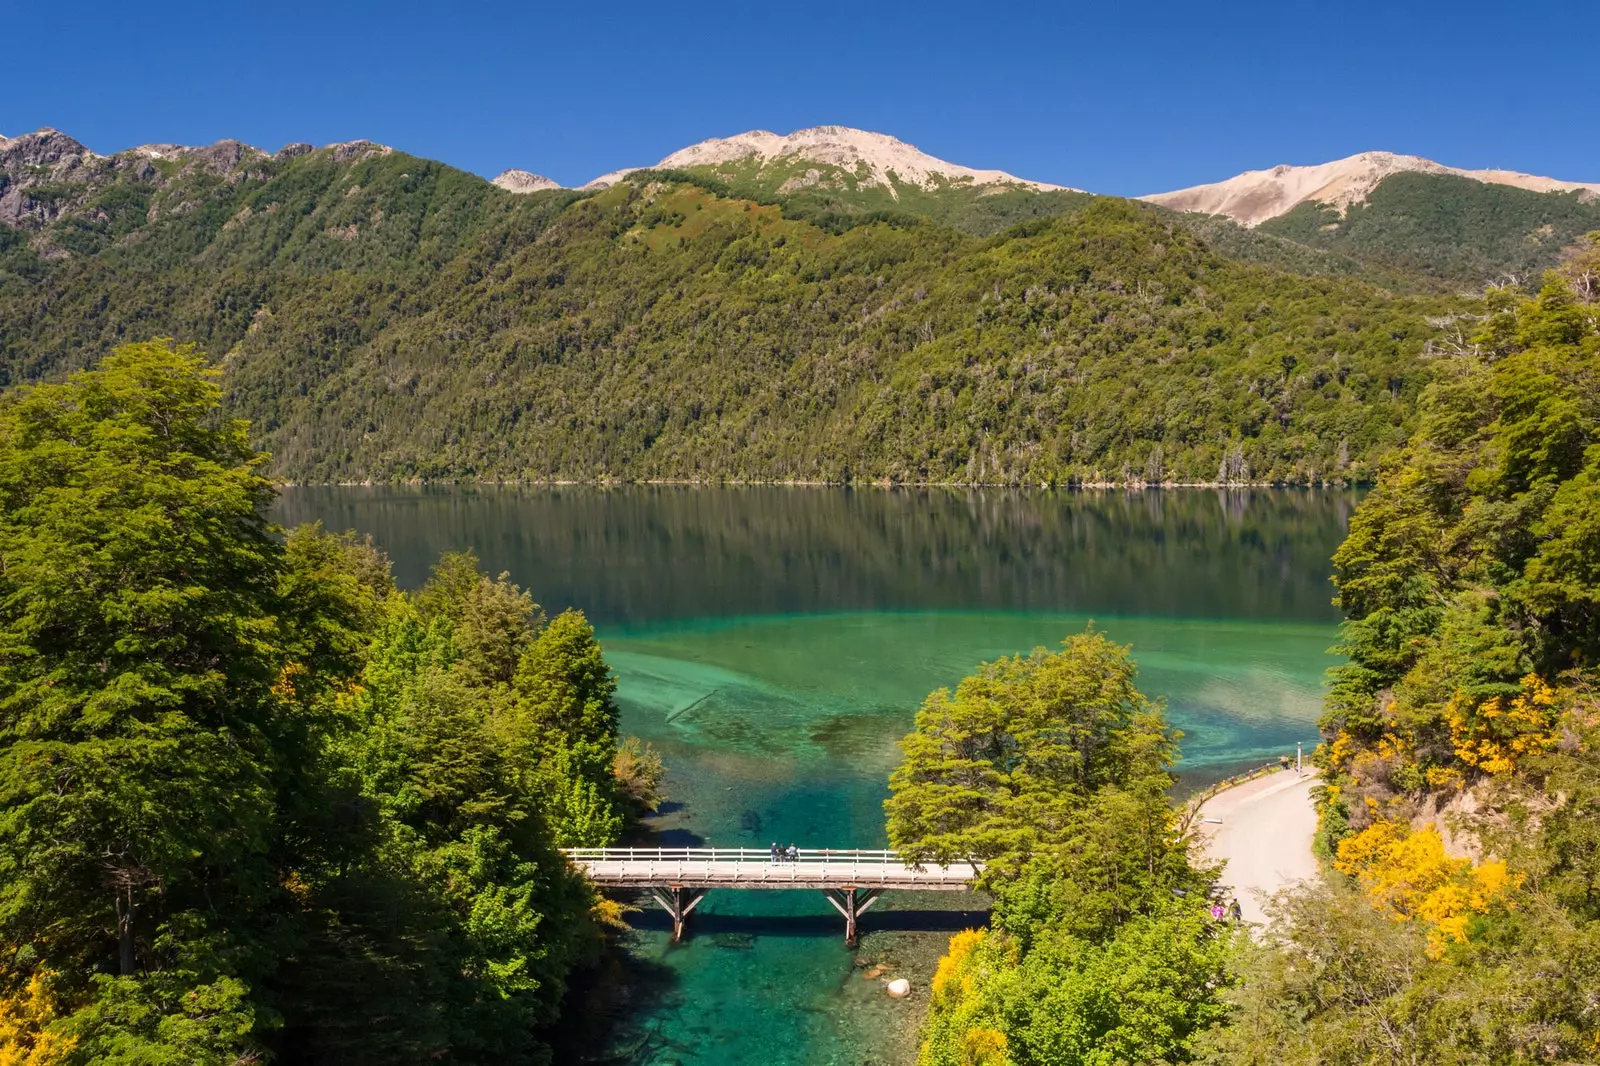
(775, 643)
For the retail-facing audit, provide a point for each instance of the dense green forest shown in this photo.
(1458, 921)
(255, 803)
(1452, 230)
(384, 317)
(380, 316)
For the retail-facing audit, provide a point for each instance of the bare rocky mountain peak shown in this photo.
(1257, 195)
(44, 147)
(605, 181)
(523, 181)
(47, 173)
(840, 146)
(345, 151)
(48, 146)
(158, 151)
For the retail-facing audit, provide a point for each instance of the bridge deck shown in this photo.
(753, 868)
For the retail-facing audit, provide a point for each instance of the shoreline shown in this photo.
(611, 483)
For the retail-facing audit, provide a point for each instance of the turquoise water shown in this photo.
(775, 644)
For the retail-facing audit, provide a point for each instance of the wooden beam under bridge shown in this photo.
(678, 902)
(852, 903)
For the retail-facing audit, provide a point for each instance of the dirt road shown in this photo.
(1264, 836)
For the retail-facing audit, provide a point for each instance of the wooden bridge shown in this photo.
(678, 878)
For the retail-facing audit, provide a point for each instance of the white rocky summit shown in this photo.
(1257, 195)
(839, 146)
(523, 181)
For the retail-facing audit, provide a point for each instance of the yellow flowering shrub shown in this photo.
(1339, 752)
(610, 913)
(1409, 877)
(1493, 734)
(25, 1017)
(1445, 777)
(986, 1047)
(958, 1032)
(285, 686)
(952, 978)
(1391, 745)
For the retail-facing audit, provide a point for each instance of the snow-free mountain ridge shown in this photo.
(524, 181)
(872, 157)
(869, 159)
(1257, 195)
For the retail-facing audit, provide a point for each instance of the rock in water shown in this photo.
(899, 988)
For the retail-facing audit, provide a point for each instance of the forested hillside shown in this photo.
(380, 316)
(1452, 230)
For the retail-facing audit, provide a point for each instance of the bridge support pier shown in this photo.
(852, 903)
(678, 902)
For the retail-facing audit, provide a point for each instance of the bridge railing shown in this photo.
(805, 855)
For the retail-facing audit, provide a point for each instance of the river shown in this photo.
(775, 643)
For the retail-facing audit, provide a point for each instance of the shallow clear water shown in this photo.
(775, 643)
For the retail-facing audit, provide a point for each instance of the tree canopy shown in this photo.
(1053, 769)
(255, 801)
(1459, 922)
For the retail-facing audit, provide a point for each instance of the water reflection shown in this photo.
(641, 554)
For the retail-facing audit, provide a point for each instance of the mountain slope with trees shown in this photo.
(378, 316)
(1453, 230)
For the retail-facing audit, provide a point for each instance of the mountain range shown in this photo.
(831, 305)
(830, 153)
(840, 156)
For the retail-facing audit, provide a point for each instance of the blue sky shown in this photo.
(1115, 97)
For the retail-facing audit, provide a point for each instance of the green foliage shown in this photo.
(141, 733)
(1449, 228)
(1469, 581)
(255, 802)
(1141, 996)
(995, 771)
(1473, 563)
(1054, 770)
(1340, 984)
(388, 318)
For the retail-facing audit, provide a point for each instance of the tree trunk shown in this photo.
(125, 913)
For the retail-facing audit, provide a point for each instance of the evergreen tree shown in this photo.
(142, 716)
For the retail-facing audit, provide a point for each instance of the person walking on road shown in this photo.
(1235, 912)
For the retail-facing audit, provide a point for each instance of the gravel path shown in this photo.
(1264, 836)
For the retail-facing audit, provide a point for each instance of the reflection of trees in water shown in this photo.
(647, 553)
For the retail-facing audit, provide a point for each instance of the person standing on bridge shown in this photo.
(794, 852)
(774, 853)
